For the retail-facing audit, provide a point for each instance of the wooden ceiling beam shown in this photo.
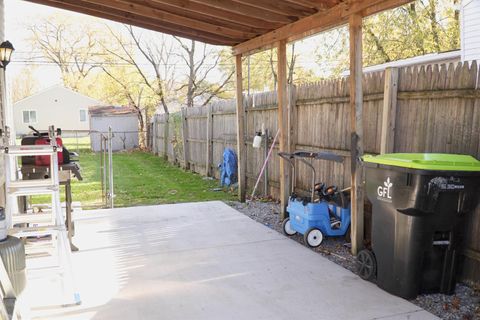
(246, 10)
(280, 7)
(166, 17)
(142, 23)
(319, 5)
(200, 8)
(318, 22)
(214, 20)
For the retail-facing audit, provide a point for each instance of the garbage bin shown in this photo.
(419, 202)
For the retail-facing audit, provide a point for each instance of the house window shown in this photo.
(83, 115)
(29, 116)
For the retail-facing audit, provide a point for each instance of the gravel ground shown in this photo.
(463, 305)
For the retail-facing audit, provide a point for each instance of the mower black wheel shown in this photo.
(287, 228)
(366, 265)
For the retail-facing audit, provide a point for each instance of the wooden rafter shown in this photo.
(281, 7)
(201, 9)
(166, 17)
(215, 18)
(248, 25)
(134, 20)
(244, 9)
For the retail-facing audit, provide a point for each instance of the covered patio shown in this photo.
(207, 261)
(252, 26)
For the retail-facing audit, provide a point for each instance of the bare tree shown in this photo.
(24, 85)
(290, 67)
(71, 49)
(152, 73)
(200, 63)
(156, 53)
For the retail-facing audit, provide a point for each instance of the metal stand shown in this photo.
(265, 172)
(111, 194)
(51, 225)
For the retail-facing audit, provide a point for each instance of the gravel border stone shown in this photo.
(463, 305)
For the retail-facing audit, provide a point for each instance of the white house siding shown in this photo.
(125, 128)
(470, 30)
(56, 106)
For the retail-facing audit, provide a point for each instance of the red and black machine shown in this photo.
(42, 138)
(35, 166)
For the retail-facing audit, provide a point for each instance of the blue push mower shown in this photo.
(325, 212)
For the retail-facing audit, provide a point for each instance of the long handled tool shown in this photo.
(264, 165)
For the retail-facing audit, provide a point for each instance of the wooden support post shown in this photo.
(356, 112)
(241, 148)
(209, 155)
(186, 149)
(166, 131)
(389, 110)
(282, 123)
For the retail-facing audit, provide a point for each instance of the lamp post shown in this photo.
(6, 50)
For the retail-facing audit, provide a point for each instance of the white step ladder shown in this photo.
(51, 233)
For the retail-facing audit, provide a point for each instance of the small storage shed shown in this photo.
(124, 123)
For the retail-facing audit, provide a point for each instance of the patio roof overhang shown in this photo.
(247, 25)
(250, 26)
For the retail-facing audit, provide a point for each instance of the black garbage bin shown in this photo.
(419, 202)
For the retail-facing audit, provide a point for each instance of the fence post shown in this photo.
(165, 135)
(209, 154)
(155, 130)
(389, 110)
(186, 153)
(110, 166)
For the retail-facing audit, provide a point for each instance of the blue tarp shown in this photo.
(228, 168)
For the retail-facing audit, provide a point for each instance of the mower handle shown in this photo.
(34, 130)
(329, 156)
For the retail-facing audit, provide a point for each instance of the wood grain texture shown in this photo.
(389, 110)
(241, 149)
(356, 123)
(283, 132)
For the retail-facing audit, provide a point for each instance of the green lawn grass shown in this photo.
(140, 178)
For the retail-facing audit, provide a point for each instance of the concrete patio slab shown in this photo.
(208, 261)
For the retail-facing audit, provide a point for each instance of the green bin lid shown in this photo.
(427, 161)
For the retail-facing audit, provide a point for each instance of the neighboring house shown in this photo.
(469, 41)
(470, 29)
(428, 59)
(124, 123)
(58, 106)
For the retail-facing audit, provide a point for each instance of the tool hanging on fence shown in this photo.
(264, 165)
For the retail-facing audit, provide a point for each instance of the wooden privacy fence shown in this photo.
(413, 109)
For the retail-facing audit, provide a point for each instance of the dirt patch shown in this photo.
(463, 305)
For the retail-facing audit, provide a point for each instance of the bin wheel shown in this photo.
(366, 265)
(287, 228)
(313, 237)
